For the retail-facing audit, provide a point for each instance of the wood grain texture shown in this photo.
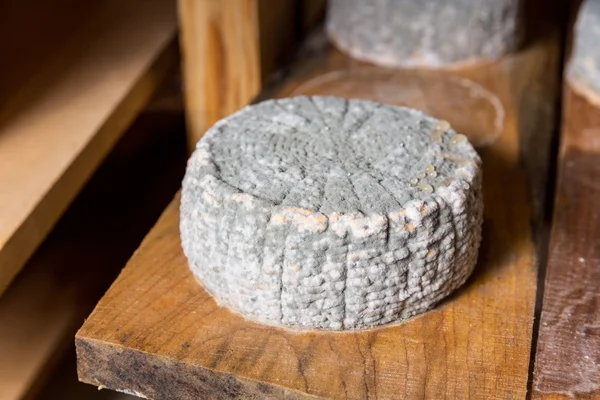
(229, 49)
(220, 59)
(159, 325)
(567, 361)
(568, 355)
(41, 311)
(66, 98)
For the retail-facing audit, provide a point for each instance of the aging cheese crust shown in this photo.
(326, 213)
(425, 33)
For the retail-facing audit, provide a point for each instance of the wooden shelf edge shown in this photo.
(41, 311)
(568, 348)
(167, 374)
(52, 197)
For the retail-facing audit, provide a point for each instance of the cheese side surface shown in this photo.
(425, 33)
(327, 213)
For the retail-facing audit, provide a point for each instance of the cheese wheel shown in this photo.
(425, 33)
(583, 71)
(327, 213)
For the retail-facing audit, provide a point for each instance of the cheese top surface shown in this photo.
(328, 154)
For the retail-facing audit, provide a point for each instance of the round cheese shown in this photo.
(327, 213)
(425, 33)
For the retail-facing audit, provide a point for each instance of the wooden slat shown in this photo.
(220, 59)
(567, 361)
(73, 76)
(160, 326)
(568, 355)
(49, 299)
(229, 49)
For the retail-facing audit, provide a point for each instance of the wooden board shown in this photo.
(160, 326)
(73, 78)
(220, 59)
(41, 311)
(230, 48)
(568, 355)
(567, 361)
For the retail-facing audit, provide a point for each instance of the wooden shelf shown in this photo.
(568, 353)
(567, 360)
(42, 309)
(74, 75)
(158, 324)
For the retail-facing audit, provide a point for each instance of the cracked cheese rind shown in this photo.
(425, 33)
(312, 212)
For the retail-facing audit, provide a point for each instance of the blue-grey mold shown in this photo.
(425, 33)
(326, 213)
(583, 72)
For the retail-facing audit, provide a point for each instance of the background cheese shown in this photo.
(583, 71)
(428, 33)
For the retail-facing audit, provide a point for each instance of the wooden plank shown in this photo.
(158, 324)
(567, 359)
(230, 47)
(66, 99)
(568, 354)
(220, 59)
(41, 311)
